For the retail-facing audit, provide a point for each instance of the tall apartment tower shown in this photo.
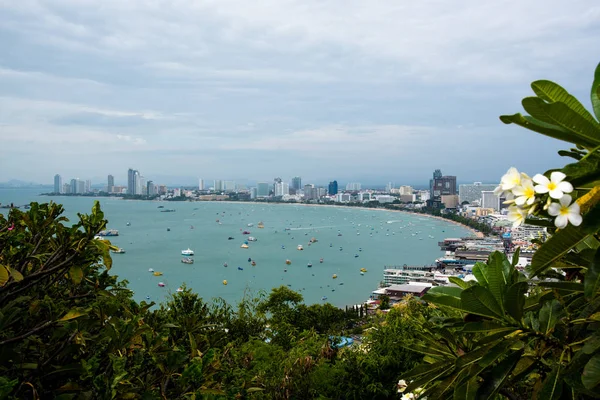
(133, 182)
(296, 183)
(58, 185)
(111, 184)
(200, 184)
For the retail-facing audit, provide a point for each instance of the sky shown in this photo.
(362, 91)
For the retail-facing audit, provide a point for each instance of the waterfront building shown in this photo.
(444, 186)
(437, 174)
(150, 188)
(162, 189)
(74, 186)
(385, 198)
(450, 201)
(229, 186)
(58, 185)
(133, 184)
(296, 183)
(405, 190)
(333, 188)
(397, 292)
(472, 192)
(111, 184)
(263, 189)
(200, 184)
(353, 186)
(490, 200)
(343, 197)
(218, 185)
(80, 186)
(389, 187)
(66, 188)
(281, 189)
(253, 193)
(408, 198)
(424, 195)
(364, 196)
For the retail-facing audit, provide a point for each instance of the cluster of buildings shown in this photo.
(74, 186)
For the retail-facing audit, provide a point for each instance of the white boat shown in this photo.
(251, 239)
(187, 260)
(300, 247)
(187, 252)
(119, 251)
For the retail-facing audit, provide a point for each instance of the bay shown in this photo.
(370, 239)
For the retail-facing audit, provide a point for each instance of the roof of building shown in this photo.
(408, 288)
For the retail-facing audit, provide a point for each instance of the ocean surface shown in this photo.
(348, 239)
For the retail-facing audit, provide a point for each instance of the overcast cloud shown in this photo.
(370, 91)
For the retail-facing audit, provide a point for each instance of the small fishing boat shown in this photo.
(245, 232)
(150, 269)
(356, 256)
(187, 260)
(309, 265)
(363, 270)
(179, 290)
(288, 262)
(128, 224)
(321, 261)
(339, 234)
(240, 269)
(362, 273)
(244, 246)
(225, 264)
(224, 282)
(168, 229)
(119, 251)
(330, 244)
(161, 284)
(300, 247)
(324, 298)
(187, 252)
(251, 239)
(282, 247)
(334, 276)
(260, 225)
(157, 273)
(230, 238)
(253, 263)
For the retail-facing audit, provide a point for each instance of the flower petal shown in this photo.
(554, 209)
(566, 187)
(565, 200)
(541, 179)
(575, 219)
(556, 194)
(520, 200)
(557, 176)
(574, 208)
(530, 200)
(561, 221)
(541, 189)
(518, 191)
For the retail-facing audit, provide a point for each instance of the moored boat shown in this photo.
(109, 232)
(300, 247)
(288, 262)
(188, 252)
(161, 284)
(119, 251)
(156, 273)
(187, 260)
(244, 246)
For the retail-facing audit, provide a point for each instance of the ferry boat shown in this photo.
(109, 232)
(119, 251)
(187, 252)
(187, 260)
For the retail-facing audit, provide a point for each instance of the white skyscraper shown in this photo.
(353, 186)
(490, 200)
(200, 184)
(88, 186)
(218, 185)
(282, 189)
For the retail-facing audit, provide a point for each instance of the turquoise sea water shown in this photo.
(378, 238)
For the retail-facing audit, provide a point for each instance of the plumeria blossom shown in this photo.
(555, 186)
(565, 212)
(511, 179)
(516, 215)
(525, 193)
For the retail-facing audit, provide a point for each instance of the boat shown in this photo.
(321, 261)
(179, 290)
(362, 273)
(150, 269)
(253, 263)
(356, 256)
(187, 260)
(98, 237)
(128, 224)
(230, 238)
(157, 273)
(251, 239)
(119, 251)
(324, 298)
(187, 252)
(224, 282)
(244, 246)
(282, 247)
(339, 234)
(245, 232)
(249, 259)
(161, 284)
(160, 207)
(250, 224)
(109, 232)
(288, 262)
(240, 269)
(300, 247)
(334, 276)
(309, 265)
(168, 229)
(225, 264)
(167, 210)
(191, 226)
(313, 240)
(260, 225)
(363, 270)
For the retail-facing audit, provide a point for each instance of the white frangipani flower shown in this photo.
(525, 193)
(565, 212)
(555, 186)
(516, 215)
(511, 179)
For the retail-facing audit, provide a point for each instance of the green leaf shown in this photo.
(492, 384)
(562, 116)
(446, 290)
(459, 282)
(566, 286)
(554, 248)
(595, 92)
(549, 314)
(592, 344)
(443, 300)
(480, 301)
(552, 385)
(552, 92)
(498, 277)
(591, 281)
(72, 315)
(591, 373)
(480, 273)
(486, 326)
(3, 275)
(515, 257)
(514, 301)
(76, 274)
(467, 390)
(16, 275)
(544, 128)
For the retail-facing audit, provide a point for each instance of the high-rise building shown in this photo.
(332, 188)
(133, 182)
(296, 183)
(436, 175)
(80, 186)
(490, 200)
(311, 192)
(141, 186)
(405, 190)
(218, 185)
(472, 192)
(66, 188)
(262, 189)
(229, 186)
(281, 189)
(111, 184)
(74, 186)
(353, 186)
(444, 186)
(150, 188)
(200, 184)
(58, 184)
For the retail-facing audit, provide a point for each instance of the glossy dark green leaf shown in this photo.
(514, 300)
(446, 290)
(467, 390)
(595, 93)
(552, 92)
(497, 376)
(515, 257)
(549, 315)
(480, 273)
(592, 343)
(480, 301)
(498, 277)
(554, 248)
(592, 277)
(544, 128)
(443, 300)
(486, 326)
(552, 386)
(459, 282)
(591, 373)
(566, 286)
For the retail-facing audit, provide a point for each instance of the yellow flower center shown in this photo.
(551, 186)
(564, 210)
(529, 192)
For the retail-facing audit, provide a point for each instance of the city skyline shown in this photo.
(368, 92)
